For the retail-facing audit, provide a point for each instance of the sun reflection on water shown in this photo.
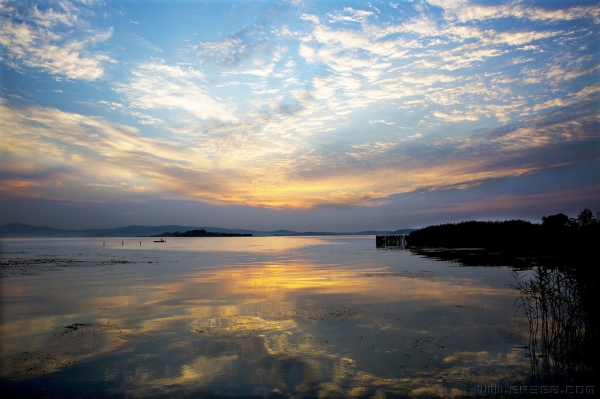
(290, 323)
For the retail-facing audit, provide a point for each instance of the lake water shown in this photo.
(252, 317)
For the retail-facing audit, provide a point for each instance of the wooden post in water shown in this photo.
(393, 240)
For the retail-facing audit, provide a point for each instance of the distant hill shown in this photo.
(25, 230)
(18, 230)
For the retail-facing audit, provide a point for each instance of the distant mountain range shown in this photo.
(18, 230)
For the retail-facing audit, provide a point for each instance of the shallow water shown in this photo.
(252, 316)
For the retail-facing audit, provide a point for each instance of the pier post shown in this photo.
(392, 241)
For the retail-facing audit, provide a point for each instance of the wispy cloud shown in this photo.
(160, 86)
(35, 38)
(236, 48)
(348, 14)
(464, 10)
(147, 44)
(296, 109)
(381, 121)
(93, 150)
(456, 116)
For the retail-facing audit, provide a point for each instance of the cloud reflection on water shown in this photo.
(283, 322)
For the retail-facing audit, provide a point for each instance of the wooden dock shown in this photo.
(392, 241)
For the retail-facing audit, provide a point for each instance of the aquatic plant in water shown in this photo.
(563, 339)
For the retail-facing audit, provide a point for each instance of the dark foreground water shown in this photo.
(262, 317)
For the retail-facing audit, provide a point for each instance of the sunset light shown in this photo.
(279, 107)
(299, 198)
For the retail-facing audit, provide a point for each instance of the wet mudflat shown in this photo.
(252, 317)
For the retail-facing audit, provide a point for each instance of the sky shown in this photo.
(296, 114)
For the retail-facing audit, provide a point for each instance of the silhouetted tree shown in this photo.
(559, 220)
(585, 218)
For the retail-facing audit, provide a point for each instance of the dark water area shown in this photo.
(285, 317)
(560, 297)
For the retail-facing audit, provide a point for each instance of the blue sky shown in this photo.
(305, 115)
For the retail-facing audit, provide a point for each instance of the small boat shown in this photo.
(161, 240)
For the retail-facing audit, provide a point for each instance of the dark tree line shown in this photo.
(556, 233)
(560, 220)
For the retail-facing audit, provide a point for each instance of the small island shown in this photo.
(201, 233)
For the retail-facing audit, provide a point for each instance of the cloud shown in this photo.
(574, 98)
(156, 85)
(350, 108)
(348, 14)
(244, 162)
(147, 44)
(437, 163)
(263, 71)
(517, 38)
(34, 38)
(456, 116)
(88, 150)
(372, 122)
(235, 49)
(369, 53)
(464, 11)
(309, 17)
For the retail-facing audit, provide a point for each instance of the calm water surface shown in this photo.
(251, 316)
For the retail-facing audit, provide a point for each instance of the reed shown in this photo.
(563, 334)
